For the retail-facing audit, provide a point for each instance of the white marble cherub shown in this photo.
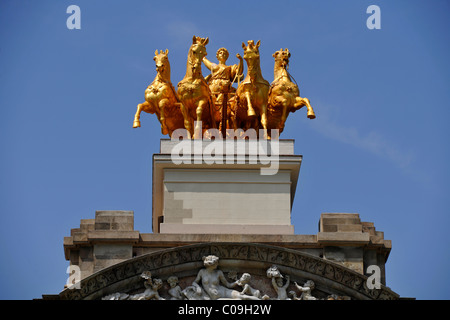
(151, 288)
(246, 288)
(306, 290)
(175, 291)
(277, 282)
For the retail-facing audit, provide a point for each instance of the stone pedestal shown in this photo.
(233, 201)
(224, 186)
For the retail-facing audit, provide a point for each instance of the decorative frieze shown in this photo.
(186, 262)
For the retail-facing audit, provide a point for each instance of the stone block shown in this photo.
(86, 254)
(223, 192)
(86, 268)
(68, 241)
(74, 231)
(114, 220)
(226, 197)
(113, 236)
(343, 238)
(335, 221)
(349, 228)
(329, 228)
(102, 225)
(339, 222)
(87, 224)
(350, 257)
(106, 255)
(368, 227)
(112, 251)
(80, 237)
(225, 229)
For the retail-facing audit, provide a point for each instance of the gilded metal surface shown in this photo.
(161, 98)
(220, 82)
(199, 101)
(194, 93)
(284, 95)
(250, 108)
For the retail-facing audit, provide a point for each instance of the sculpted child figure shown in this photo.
(175, 290)
(246, 288)
(151, 288)
(214, 282)
(277, 282)
(306, 290)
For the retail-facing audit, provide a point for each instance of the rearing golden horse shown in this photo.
(250, 109)
(284, 95)
(160, 98)
(194, 92)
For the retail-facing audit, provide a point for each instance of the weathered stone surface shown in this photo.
(323, 244)
(186, 261)
(337, 238)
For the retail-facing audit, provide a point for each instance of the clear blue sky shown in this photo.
(379, 146)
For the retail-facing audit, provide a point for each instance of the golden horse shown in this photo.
(194, 92)
(284, 95)
(250, 108)
(161, 98)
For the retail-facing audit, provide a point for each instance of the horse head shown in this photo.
(251, 51)
(197, 52)
(282, 57)
(162, 63)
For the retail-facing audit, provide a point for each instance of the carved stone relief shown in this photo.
(245, 271)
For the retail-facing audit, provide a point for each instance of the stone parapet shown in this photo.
(340, 228)
(101, 242)
(353, 243)
(110, 238)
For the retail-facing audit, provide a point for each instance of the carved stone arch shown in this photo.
(185, 262)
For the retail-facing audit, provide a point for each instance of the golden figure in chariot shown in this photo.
(197, 104)
(221, 80)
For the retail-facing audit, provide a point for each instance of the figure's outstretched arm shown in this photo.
(240, 71)
(224, 281)
(300, 288)
(208, 64)
(287, 282)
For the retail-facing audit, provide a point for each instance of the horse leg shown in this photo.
(264, 120)
(284, 115)
(140, 107)
(250, 111)
(301, 102)
(198, 126)
(163, 103)
(187, 121)
(310, 113)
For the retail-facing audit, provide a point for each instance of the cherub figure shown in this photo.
(306, 290)
(152, 287)
(277, 282)
(175, 291)
(246, 288)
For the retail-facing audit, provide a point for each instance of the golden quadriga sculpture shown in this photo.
(198, 103)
